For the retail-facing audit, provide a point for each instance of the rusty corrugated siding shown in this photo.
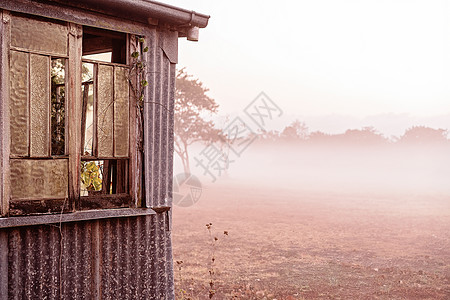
(158, 140)
(120, 258)
(159, 117)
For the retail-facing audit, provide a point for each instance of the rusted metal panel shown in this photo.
(120, 258)
(77, 260)
(170, 46)
(149, 117)
(4, 250)
(36, 35)
(158, 140)
(33, 251)
(159, 120)
(170, 135)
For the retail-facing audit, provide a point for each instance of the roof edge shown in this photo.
(144, 11)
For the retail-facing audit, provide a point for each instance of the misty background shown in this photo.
(344, 192)
(334, 66)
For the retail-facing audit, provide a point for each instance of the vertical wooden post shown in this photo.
(121, 180)
(135, 161)
(74, 112)
(106, 182)
(5, 33)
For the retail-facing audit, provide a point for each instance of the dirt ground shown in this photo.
(294, 243)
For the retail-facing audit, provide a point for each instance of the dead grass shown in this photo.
(299, 244)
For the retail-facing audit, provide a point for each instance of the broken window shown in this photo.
(39, 126)
(104, 45)
(107, 177)
(105, 118)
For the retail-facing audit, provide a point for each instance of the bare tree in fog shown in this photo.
(192, 105)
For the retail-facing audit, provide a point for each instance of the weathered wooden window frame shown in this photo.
(73, 78)
(120, 199)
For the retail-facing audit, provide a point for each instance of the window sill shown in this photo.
(74, 217)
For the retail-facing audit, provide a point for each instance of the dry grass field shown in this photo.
(299, 243)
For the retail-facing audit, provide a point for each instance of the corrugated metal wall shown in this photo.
(158, 143)
(120, 258)
(159, 114)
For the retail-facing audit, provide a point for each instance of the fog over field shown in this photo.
(408, 169)
(383, 169)
(319, 221)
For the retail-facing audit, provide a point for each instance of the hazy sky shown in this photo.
(322, 57)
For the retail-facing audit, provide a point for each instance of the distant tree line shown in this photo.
(194, 110)
(298, 132)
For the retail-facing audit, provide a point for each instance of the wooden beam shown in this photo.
(101, 201)
(119, 52)
(74, 112)
(96, 45)
(5, 34)
(79, 216)
(104, 33)
(106, 180)
(121, 176)
(22, 207)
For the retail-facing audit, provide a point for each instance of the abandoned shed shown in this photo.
(86, 147)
